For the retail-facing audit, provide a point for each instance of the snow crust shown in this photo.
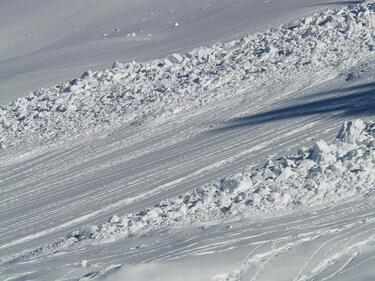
(324, 173)
(130, 93)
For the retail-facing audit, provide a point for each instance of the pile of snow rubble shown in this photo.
(131, 92)
(325, 173)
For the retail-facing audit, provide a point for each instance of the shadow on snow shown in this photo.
(354, 101)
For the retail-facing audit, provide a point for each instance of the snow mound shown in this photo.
(325, 172)
(326, 42)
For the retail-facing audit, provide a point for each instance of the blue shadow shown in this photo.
(355, 101)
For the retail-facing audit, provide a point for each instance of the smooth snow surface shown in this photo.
(226, 162)
(43, 42)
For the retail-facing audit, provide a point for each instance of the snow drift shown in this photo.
(326, 172)
(327, 42)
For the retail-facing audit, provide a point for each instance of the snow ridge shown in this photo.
(327, 42)
(323, 173)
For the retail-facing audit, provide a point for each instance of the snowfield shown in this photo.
(225, 162)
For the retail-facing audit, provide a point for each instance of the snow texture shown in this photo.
(324, 173)
(130, 93)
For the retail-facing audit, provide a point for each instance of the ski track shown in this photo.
(42, 183)
(47, 194)
(139, 191)
(351, 221)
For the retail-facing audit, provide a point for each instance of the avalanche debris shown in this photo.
(328, 42)
(325, 173)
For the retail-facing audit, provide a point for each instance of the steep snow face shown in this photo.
(325, 43)
(324, 173)
(46, 41)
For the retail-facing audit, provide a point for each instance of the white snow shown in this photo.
(43, 42)
(325, 43)
(151, 170)
(326, 172)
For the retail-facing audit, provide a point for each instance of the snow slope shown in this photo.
(323, 173)
(328, 43)
(58, 202)
(333, 243)
(43, 42)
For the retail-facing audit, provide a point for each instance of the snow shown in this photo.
(175, 271)
(328, 42)
(219, 163)
(59, 40)
(324, 173)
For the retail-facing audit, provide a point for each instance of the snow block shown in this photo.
(229, 185)
(351, 130)
(175, 58)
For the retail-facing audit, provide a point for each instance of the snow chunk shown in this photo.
(351, 131)
(175, 58)
(114, 219)
(322, 152)
(229, 185)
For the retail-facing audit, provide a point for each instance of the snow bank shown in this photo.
(326, 172)
(328, 42)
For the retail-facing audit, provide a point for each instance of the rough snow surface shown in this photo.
(43, 42)
(168, 180)
(324, 173)
(325, 43)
